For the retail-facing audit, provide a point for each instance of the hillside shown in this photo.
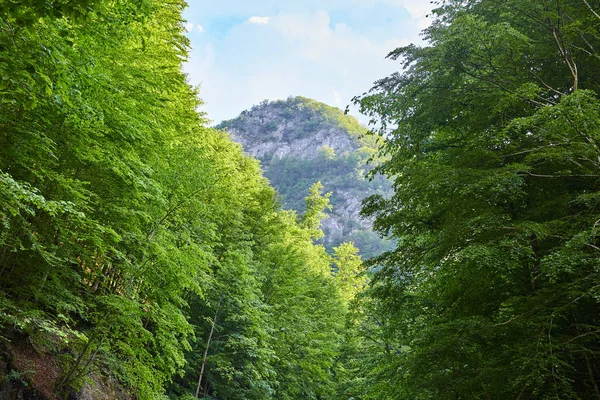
(300, 141)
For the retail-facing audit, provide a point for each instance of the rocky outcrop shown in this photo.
(298, 127)
(300, 141)
(31, 373)
(279, 144)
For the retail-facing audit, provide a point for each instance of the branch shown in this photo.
(171, 211)
(591, 9)
(536, 76)
(565, 54)
(582, 335)
(558, 176)
(501, 87)
(531, 150)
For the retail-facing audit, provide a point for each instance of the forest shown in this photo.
(144, 256)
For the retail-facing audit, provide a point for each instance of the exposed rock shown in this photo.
(300, 141)
(29, 373)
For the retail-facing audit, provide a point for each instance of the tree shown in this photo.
(316, 205)
(93, 248)
(492, 145)
(136, 244)
(349, 275)
(306, 313)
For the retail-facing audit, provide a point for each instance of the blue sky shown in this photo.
(244, 52)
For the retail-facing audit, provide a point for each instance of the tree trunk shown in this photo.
(210, 335)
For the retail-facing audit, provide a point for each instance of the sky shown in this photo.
(246, 51)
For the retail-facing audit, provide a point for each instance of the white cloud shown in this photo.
(188, 26)
(199, 28)
(417, 8)
(201, 65)
(337, 99)
(259, 20)
(420, 10)
(295, 54)
(424, 23)
(335, 49)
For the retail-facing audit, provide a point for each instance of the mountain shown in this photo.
(300, 141)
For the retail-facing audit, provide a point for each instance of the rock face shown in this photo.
(30, 373)
(271, 131)
(300, 141)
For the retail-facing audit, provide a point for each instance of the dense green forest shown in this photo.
(494, 143)
(144, 256)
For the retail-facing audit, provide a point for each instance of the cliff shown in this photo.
(300, 141)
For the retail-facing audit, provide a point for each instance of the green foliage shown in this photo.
(128, 229)
(492, 144)
(293, 178)
(349, 275)
(316, 205)
(328, 152)
(136, 242)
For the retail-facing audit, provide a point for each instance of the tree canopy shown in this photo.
(492, 142)
(137, 245)
(142, 253)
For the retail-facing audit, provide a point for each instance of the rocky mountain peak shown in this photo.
(300, 141)
(296, 127)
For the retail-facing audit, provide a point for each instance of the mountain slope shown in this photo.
(300, 141)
